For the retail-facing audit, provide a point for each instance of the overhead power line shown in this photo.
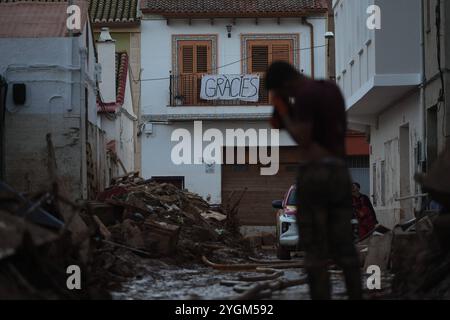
(229, 64)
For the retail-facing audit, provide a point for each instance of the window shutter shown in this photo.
(281, 52)
(259, 64)
(202, 59)
(194, 61)
(259, 58)
(262, 54)
(187, 59)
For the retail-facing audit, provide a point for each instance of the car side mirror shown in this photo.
(277, 204)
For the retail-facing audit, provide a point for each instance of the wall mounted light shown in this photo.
(229, 30)
(329, 35)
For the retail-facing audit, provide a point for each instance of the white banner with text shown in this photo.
(243, 87)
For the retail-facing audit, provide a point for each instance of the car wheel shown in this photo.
(283, 253)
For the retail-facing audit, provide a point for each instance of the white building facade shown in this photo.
(115, 108)
(50, 113)
(179, 46)
(379, 68)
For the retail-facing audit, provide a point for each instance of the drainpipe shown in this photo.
(84, 122)
(3, 90)
(424, 78)
(311, 28)
(423, 95)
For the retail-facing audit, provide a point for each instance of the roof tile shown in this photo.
(233, 7)
(113, 10)
(121, 83)
(35, 19)
(104, 11)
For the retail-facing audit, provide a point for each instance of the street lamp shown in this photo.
(229, 30)
(329, 35)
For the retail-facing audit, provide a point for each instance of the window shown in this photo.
(261, 54)
(432, 135)
(358, 161)
(177, 181)
(194, 61)
(292, 199)
(192, 57)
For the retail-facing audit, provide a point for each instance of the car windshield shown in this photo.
(292, 199)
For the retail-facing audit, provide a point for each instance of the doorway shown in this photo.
(432, 136)
(405, 171)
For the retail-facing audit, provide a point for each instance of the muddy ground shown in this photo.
(160, 280)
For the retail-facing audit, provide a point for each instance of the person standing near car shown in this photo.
(313, 113)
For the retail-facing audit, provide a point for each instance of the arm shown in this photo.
(300, 130)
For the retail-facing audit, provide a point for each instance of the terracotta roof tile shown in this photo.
(121, 83)
(104, 11)
(35, 19)
(113, 10)
(212, 8)
(121, 75)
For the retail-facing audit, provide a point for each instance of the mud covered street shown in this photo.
(197, 282)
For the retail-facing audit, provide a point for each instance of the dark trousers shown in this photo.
(324, 218)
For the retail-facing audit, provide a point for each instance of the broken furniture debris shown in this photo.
(37, 246)
(160, 219)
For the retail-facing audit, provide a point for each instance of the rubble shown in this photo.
(421, 252)
(164, 221)
(379, 251)
(35, 254)
(140, 223)
(130, 226)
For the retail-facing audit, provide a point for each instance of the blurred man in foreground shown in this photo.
(313, 112)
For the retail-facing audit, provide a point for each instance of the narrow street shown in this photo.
(200, 282)
(159, 280)
(224, 150)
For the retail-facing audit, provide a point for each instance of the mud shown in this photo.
(198, 282)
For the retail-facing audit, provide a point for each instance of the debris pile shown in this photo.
(128, 227)
(37, 245)
(145, 220)
(160, 219)
(421, 250)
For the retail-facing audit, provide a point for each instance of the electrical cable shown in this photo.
(231, 63)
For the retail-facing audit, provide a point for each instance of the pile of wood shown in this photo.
(160, 220)
(421, 253)
(421, 259)
(40, 236)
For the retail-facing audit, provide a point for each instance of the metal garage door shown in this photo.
(256, 205)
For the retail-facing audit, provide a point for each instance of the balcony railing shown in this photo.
(185, 91)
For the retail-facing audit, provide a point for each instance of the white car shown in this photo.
(287, 230)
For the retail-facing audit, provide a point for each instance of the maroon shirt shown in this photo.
(320, 102)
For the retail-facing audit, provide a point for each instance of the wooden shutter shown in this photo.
(259, 58)
(262, 54)
(203, 59)
(194, 60)
(187, 59)
(259, 62)
(186, 67)
(282, 51)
